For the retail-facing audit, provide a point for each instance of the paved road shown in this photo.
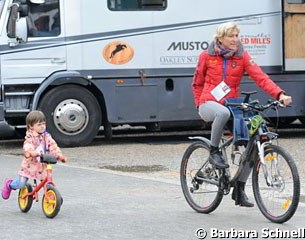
(101, 205)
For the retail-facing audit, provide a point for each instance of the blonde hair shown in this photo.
(226, 29)
(34, 117)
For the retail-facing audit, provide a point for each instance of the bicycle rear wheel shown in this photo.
(199, 179)
(279, 201)
(25, 203)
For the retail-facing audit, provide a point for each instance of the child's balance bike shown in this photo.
(51, 200)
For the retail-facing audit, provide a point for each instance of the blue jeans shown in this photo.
(19, 182)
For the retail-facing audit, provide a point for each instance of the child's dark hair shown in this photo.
(34, 117)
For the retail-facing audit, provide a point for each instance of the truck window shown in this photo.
(137, 5)
(44, 19)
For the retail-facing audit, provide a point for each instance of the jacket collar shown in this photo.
(239, 53)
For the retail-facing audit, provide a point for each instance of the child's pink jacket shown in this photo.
(31, 167)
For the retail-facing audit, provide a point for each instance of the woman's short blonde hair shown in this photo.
(226, 29)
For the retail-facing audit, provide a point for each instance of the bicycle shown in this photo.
(275, 178)
(51, 200)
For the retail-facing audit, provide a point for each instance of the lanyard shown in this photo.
(224, 69)
(45, 143)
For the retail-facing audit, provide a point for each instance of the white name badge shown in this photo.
(221, 90)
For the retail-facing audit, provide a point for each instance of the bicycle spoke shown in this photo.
(278, 201)
(199, 179)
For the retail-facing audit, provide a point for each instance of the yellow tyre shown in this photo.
(25, 203)
(51, 202)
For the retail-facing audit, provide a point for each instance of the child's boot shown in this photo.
(6, 189)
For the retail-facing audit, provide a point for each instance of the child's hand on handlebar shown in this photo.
(32, 154)
(63, 159)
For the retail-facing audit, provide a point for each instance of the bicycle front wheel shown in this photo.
(278, 200)
(51, 202)
(199, 179)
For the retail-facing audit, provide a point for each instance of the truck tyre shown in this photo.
(73, 115)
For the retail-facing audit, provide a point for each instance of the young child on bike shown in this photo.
(217, 76)
(37, 142)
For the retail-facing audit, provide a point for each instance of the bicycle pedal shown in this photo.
(233, 156)
(226, 191)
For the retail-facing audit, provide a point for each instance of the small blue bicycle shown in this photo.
(275, 178)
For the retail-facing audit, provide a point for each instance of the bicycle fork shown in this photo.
(261, 153)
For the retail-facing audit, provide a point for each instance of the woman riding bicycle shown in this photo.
(218, 76)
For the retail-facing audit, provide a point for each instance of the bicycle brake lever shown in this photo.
(281, 104)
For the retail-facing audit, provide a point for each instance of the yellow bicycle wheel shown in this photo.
(51, 202)
(25, 203)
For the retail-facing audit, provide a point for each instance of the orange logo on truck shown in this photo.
(118, 52)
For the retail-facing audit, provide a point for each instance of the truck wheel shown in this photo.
(73, 115)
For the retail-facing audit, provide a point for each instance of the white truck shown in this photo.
(89, 64)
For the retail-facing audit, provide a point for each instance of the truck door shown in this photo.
(294, 33)
(44, 53)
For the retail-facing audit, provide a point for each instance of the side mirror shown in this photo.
(22, 30)
(11, 24)
(16, 27)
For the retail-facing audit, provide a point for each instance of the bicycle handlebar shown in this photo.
(47, 158)
(254, 105)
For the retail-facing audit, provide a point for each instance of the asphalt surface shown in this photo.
(129, 188)
(102, 205)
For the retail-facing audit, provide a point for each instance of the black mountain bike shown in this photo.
(275, 178)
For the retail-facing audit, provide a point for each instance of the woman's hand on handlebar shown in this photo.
(286, 100)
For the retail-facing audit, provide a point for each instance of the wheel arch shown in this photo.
(70, 78)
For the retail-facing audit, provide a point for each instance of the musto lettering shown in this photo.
(183, 59)
(188, 46)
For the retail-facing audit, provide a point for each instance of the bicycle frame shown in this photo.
(48, 180)
(258, 136)
(254, 147)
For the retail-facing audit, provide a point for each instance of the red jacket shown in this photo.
(209, 73)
